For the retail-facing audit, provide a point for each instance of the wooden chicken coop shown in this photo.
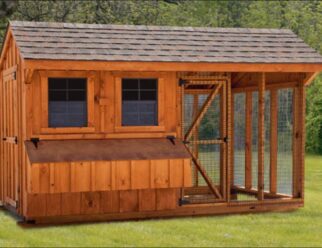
(111, 122)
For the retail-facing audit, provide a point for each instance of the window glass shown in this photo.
(139, 102)
(67, 105)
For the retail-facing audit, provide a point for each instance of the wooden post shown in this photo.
(298, 141)
(248, 141)
(261, 133)
(273, 141)
(301, 152)
(223, 133)
(1, 143)
(229, 145)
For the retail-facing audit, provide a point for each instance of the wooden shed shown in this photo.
(110, 122)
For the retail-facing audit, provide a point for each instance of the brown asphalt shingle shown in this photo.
(69, 41)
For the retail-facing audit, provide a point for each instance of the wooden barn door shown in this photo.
(9, 132)
(205, 135)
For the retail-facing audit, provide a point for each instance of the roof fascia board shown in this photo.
(168, 66)
(5, 44)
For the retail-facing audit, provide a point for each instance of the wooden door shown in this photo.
(205, 132)
(9, 139)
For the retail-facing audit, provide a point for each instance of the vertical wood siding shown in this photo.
(109, 175)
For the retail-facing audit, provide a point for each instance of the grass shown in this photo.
(299, 228)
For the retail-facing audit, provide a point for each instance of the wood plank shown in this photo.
(129, 201)
(301, 146)
(166, 199)
(176, 173)
(90, 202)
(170, 92)
(101, 179)
(54, 204)
(147, 200)
(110, 202)
(62, 177)
(187, 173)
(169, 66)
(71, 203)
(161, 103)
(81, 135)
(273, 141)
(118, 102)
(67, 130)
(261, 135)
(123, 175)
(230, 135)
(140, 174)
(44, 178)
(90, 101)
(205, 209)
(310, 77)
(80, 176)
(160, 170)
(248, 141)
(224, 134)
(44, 99)
(36, 205)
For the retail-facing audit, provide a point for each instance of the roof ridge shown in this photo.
(67, 25)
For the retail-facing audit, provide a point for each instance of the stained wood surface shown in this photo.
(10, 129)
(261, 135)
(102, 202)
(170, 66)
(109, 175)
(105, 150)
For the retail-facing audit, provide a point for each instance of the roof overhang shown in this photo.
(35, 64)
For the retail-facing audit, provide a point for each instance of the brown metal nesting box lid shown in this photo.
(104, 150)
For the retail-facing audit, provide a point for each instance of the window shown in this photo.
(139, 102)
(67, 105)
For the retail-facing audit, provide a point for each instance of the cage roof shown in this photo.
(98, 42)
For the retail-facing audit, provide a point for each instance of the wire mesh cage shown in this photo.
(283, 176)
(285, 141)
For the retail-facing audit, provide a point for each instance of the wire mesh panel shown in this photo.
(209, 156)
(254, 140)
(239, 138)
(284, 134)
(240, 120)
(208, 129)
(267, 146)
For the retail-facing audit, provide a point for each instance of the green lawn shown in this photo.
(300, 228)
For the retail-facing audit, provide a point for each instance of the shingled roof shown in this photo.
(67, 41)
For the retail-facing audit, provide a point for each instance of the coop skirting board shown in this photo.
(183, 211)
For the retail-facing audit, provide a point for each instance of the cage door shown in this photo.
(205, 135)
